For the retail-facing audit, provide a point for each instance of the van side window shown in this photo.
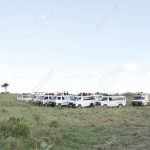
(79, 98)
(104, 99)
(84, 98)
(59, 98)
(89, 98)
(93, 98)
(110, 98)
(62, 98)
(25, 96)
(54, 98)
(120, 98)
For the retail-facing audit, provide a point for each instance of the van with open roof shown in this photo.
(140, 100)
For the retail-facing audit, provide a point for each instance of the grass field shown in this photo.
(29, 127)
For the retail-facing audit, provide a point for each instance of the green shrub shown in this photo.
(54, 124)
(36, 118)
(4, 110)
(14, 127)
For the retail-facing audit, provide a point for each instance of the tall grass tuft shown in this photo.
(14, 127)
(4, 110)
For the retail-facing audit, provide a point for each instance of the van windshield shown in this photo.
(54, 98)
(137, 98)
(41, 97)
(73, 98)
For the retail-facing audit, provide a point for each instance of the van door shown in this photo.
(62, 100)
(65, 100)
(84, 101)
(87, 101)
(121, 100)
(104, 101)
(58, 100)
(112, 102)
(145, 99)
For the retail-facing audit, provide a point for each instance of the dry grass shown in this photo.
(83, 129)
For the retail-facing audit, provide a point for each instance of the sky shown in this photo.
(75, 46)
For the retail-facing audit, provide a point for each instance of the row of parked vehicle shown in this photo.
(75, 101)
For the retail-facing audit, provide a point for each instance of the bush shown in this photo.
(14, 127)
(4, 110)
(36, 118)
(54, 124)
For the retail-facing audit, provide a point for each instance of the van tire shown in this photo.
(59, 105)
(99, 104)
(70, 106)
(91, 105)
(104, 105)
(120, 106)
(79, 106)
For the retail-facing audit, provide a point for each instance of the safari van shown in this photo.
(24, 97)
(98, 99)
(113, 101)
(59, 101)
(140, 100)
(47, 100)
(38, 98)
(83, 101)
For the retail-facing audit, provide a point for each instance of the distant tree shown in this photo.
(5, 85)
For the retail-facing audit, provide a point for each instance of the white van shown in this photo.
(98, 99)
(60, 101)
(113, 101)
(83, 101)
(38, 98)
(140, 100)
(24, 98)
(47, 100)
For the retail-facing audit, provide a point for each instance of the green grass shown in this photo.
(26, 126)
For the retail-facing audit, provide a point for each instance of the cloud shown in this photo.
(130, 67)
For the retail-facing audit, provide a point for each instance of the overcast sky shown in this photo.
(81, 45)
